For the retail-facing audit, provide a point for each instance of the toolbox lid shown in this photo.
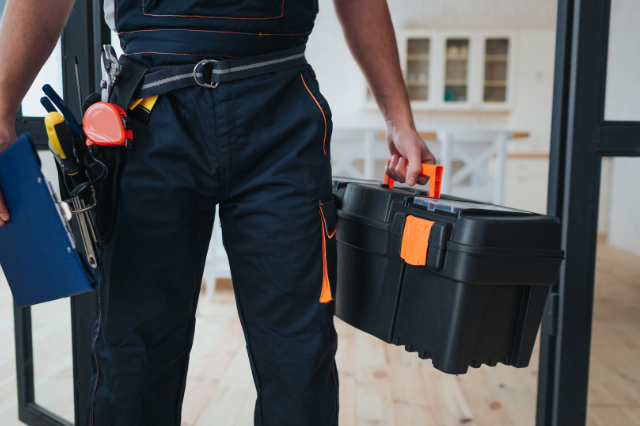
(490, 226)
(453, 206)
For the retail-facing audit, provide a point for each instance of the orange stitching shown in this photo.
(212, 31)
(323, 116)
(185, 54)
(214, 17)
(325, 293)
(325, 202)
(326, 227)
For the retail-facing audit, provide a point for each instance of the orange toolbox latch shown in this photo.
(415, 240)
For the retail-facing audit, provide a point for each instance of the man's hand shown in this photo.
(408, 146)
(369, 33)
(7, 137)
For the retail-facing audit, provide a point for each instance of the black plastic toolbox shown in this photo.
(478, 296)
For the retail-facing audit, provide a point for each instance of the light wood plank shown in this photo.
(225, 407)
(448, 404)
(610, 416)
(245, 417)
(374, 401)
(488, 408)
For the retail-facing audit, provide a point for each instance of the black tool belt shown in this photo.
(210, 73)
(138, 82)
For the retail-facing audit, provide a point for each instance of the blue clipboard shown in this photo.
(37, 250)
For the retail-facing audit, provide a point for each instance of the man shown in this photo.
(258, 147)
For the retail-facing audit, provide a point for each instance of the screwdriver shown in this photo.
(62, 142)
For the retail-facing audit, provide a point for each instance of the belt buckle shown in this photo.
(195, 77)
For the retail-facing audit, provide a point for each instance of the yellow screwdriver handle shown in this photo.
(50, 121)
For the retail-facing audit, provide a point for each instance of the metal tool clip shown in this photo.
(110, 70)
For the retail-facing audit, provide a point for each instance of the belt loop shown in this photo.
(195, 76)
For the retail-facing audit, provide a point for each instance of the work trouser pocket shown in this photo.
(324, 112)
(107, 186)
(328, 217)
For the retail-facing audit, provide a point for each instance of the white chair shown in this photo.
(483, 154)
(367, 146)
(349, 146)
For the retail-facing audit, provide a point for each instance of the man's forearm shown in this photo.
(369, 33)
(372, 41)
(28, 35)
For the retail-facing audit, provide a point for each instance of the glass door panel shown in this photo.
(495, 70)
(418, 69)
(456, 70)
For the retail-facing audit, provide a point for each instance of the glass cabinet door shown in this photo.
(418, 69)
(456, 70)
(495, 70)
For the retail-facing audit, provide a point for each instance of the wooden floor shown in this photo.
(380, 384)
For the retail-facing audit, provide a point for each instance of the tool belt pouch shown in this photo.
(107, 188)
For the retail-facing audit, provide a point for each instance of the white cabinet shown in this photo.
(527, 182)
(456, 70)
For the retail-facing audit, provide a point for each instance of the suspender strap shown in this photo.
(210, 73)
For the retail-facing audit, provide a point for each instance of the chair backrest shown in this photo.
(474, 163)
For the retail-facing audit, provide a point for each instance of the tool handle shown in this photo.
(435, 179)
(46, 103)
(62, 142)
(64, 109)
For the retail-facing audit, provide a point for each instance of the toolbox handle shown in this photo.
(435, 179)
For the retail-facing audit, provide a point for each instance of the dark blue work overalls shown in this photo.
(257, 148)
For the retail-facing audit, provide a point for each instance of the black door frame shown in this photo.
(83, 36)
(580, 139)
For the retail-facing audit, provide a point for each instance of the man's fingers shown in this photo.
(390, 169)
(414, 171)
(4, 212)
(401, 169)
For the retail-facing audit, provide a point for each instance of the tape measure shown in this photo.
(107, 124)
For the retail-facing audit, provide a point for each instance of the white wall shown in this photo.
(624, 226)
(475, 14)
(534, 87)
